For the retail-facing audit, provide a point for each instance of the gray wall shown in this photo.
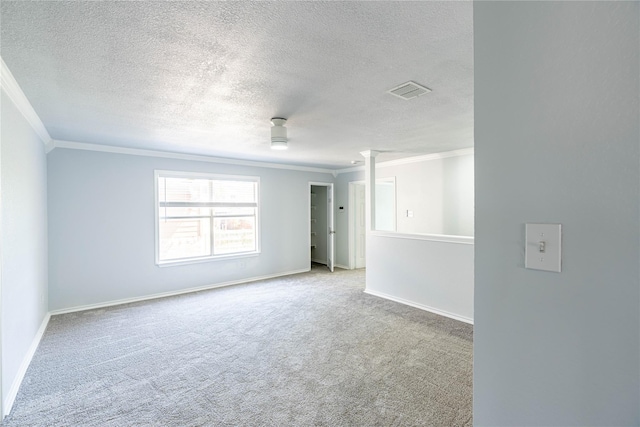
(23, 201)
(439, 192)
(432, 275)
(557, 140)
(101, 228)
(386, 204)
(457, 197)
(419, 189)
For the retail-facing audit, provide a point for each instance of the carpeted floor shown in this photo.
(303, 350)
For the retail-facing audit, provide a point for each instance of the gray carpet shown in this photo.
(304, 350)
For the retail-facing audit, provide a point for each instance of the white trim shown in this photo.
(420, 306)
(331, 246)
(26, 361)
(17, 96)
(173, 293)
(426, 157)
(193, 157)
(414, 159)
(351, 224)
(369, 153)
(207, 175)
(49, 146)
(347, 170)
(463, 240)
(56, 143)
(157, 173)
(187, 261)
(344, 267)
(2, 413)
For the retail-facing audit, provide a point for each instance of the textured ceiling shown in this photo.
(206, 77)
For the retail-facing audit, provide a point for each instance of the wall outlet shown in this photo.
(409, 214)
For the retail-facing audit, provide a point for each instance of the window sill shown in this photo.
(178, 262)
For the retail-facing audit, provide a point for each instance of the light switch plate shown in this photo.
(543, 250)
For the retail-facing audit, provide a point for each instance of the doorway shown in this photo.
(321, 224)
(385, 216)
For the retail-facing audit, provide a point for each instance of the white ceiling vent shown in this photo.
(409, 90)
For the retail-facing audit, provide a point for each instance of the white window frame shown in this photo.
(198, 175)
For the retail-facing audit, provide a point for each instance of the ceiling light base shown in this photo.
(278, 134)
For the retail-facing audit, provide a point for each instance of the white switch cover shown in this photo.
(543, 250)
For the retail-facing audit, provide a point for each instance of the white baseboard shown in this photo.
(344, 267)
(420, 306)
(172, 293)
(26, 361)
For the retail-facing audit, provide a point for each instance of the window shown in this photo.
(204, 216)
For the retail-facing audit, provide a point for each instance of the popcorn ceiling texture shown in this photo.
(206, 77)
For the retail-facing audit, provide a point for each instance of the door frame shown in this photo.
(352, 215)
(389, 180)
(331, 244)
(2, 406)
(352, 222)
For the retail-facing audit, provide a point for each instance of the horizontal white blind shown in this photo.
(202, 217)
(180, 192)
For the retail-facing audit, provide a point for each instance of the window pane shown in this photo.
(233, 211)
(234, 234)
(184, 238)
(234, 191)
(185, 220)
(181, 212)
(184, 190)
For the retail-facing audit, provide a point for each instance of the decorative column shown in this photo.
(370, 188)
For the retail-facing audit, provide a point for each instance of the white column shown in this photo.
(370, 188)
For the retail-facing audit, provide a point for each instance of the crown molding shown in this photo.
(414, 159)
(10, 86)
(17, 96)
(369, 153)
(179, 156)
(347, 170)
(426, 157)
(55, 143)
